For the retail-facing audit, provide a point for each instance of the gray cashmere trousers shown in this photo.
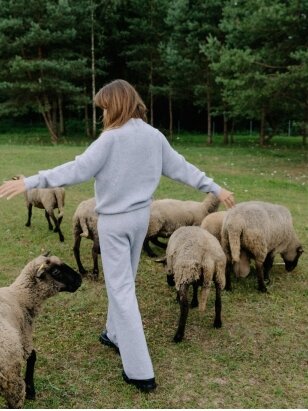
(121, 239)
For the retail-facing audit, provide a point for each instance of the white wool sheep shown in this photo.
(194, 256)
(167, 215)
(47, 199)
(263, 230)
(20, 302)
(213, 224)
(85, 225)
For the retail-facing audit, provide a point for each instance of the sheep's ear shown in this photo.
(300, 250)
(161, 260)
(41, 272)
(46, 254)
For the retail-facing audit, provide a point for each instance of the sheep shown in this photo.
(194, 256)
(20, 303)
(213, 224)
(263, 230)
(47, 199)
(85, 225)
(167, 215)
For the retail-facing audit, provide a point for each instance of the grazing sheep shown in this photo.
(167, 215)
(194, 256)
(213, 224)
(48, 199)
(20, 302)
(262, 230)
(85, 225)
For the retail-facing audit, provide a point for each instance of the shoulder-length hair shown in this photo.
(121, 102)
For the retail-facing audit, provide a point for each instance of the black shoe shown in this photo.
(105, 340)
(142, 385)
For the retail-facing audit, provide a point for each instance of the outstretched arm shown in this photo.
(176, 167)
(12, 188)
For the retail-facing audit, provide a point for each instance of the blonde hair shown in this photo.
(121, 102)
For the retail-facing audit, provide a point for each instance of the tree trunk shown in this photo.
(232, 132)
(61, 117)
(93, 72)
(54, 112)
(209, 116)
(86, 122)
(151, 97)
(305, 126)
(170, 117)
(48, 122)
(262, 127)
(226, 137)
(46, 113)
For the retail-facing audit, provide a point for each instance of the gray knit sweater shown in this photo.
(126, 163)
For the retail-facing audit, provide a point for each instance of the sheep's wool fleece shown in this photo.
(85, 218)
(213, 223)
(169, 214)
(260, 227)
(189, 250)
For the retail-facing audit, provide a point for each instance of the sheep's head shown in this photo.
(18, 177)
(48, 275)
(291, 257)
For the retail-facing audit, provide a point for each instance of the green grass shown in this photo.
(258, 359)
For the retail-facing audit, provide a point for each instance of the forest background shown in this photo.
(201, 65)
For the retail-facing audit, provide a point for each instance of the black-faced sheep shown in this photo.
(20, 302)
(85, 225)
(194, 256)
(47, 199)
(167, 215)
(213, 224)
(262, 230)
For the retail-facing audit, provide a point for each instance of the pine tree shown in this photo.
(38, 65)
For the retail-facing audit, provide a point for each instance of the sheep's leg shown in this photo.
(217, 320)
(148, 249)
(95, 252)
(57, 223)
(194, 302)
(228, 286)
(260, 276)
(183, 313)
(170, 280)
(205, 290)
(160, 244)
(76, 250)
(28, 223)
(267, 266)
(61, 236)
(50, 226)
(29, 380)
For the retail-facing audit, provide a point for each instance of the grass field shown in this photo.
(258, 359)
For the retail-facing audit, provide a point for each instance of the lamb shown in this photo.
(85, 225)
(213, 224)
(48, 199)
(194, 256)
(263, 230)
(20, 303)
(167, 215)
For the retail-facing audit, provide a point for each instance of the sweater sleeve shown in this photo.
(176, 167)
(84, 167)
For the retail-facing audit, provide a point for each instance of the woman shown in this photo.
(126, 161)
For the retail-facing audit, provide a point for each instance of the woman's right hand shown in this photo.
(12, 188)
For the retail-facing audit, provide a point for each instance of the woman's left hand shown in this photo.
(227, 198)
